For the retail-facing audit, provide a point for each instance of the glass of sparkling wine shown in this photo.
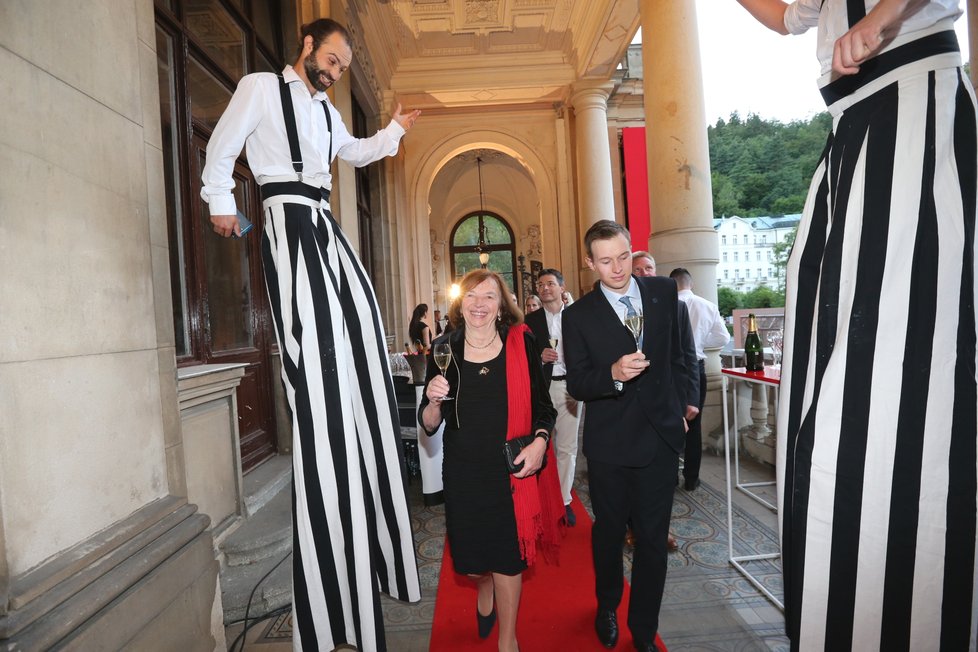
(635, 323)
(443, 357)
(553, 345)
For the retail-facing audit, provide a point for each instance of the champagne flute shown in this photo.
(776, 339)
(553, 345)
(635, 323)
(443, 357)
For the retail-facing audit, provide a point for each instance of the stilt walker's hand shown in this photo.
(225, 225)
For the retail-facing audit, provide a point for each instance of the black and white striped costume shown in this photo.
(352, 530)
(878, 419)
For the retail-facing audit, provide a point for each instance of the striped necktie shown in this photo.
(630, 312)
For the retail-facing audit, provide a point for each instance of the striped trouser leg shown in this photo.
(877, 424)
(352, 534)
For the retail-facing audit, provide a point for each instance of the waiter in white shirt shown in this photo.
(352, 531)
(709, 332)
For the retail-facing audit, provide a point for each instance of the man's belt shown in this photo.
(564, 377)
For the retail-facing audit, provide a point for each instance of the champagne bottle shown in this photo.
(753, 351)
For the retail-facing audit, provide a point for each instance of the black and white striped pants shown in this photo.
(352, 531)
(878, 419)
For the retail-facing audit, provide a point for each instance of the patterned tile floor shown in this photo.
(707, 604)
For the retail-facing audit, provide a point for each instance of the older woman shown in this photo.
(531, 304)
(493, 390)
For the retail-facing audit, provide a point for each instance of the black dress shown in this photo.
(478, 500)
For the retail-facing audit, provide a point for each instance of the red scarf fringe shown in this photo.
(537, 501)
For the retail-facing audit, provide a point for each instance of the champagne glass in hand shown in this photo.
(635, 323)
(443, 357)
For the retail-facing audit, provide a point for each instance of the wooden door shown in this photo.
(234, 319)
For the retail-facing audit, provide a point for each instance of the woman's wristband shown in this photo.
(543, 435)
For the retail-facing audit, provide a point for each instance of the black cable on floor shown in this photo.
(251, 597)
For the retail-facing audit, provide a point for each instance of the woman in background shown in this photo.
(419, 333)
(531, 304)
(496, 522)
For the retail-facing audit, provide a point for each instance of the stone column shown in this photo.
(681, 200)
(680, 192)
(595, 190)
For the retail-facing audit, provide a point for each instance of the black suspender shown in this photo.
(857, 11)
(288, 111)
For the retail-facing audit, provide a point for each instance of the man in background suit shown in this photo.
(634, 428)
(546, 325)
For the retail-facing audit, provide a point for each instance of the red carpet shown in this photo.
(556, 610)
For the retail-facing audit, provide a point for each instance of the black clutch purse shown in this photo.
(512, 449)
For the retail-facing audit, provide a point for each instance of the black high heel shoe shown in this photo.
(486, 622)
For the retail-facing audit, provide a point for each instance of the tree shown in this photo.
(763, 297)
(781, 251)
(728, 300)
(764, 167)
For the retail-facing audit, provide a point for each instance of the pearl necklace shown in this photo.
(494, 335)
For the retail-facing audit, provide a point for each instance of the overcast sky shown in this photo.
(750, 69)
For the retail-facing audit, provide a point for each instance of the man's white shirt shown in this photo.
(709, 331)
(254, 120)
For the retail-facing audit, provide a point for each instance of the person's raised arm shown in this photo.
(866, 37)
(769, 13)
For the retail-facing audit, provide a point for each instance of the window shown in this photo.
(723, 239)
(748, 273)
(764, 239)
(758, 256)
(770, 255)
(726, 273)
(759, 272)
(724, 256)
(499, 243)
(736, 257)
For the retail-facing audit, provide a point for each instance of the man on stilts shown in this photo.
(352, 532)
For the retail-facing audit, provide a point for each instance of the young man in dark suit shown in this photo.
(634, 429)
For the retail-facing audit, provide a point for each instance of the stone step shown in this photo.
(265, 535)
(238, 582)
(265, 482)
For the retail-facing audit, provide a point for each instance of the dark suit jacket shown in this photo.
(628, 428)
(689, 355)
(544, 414)
(537, 321)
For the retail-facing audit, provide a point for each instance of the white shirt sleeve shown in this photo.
(361, 151)
(801, 15)
(240, 119)
(717, 337)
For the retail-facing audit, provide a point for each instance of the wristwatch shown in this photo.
(544, 436)
(619, 386)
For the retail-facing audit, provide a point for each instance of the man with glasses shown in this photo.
(546, 327)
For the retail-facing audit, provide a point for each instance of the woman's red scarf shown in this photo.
(536, 499)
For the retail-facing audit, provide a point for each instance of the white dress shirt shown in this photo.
(832, 20)
(254, 120)
(709, 331)
(554, 327)
(614, 298)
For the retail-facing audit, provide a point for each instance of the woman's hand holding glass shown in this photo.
(443, 357)
(532, 456)
(438, 389)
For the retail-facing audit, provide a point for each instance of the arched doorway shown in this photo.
(500, 243)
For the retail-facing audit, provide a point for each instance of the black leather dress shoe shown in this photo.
(646, 647)
(606, 625)
(690, 485)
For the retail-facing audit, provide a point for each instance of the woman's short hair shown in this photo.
(509, 312)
